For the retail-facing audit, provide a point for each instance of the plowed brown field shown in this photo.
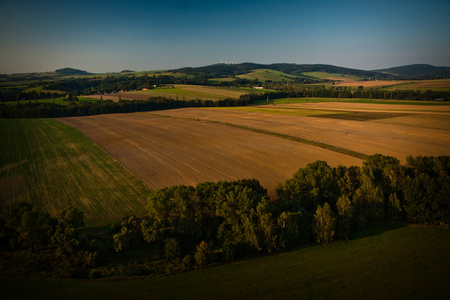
(412, 129)
(171, 151)
(171, 147)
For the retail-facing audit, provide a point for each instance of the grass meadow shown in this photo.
(266, 75)
(54, 166)
(336, 76)
(190, 92)
(387, 262)
(183, 92)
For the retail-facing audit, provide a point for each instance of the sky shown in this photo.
(111, 36)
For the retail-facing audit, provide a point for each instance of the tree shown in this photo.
(310, 186)
(345, 213)
(324, 224)
(172, 249)
(72, 217)
(35, 229)
(202, 254)
(368, 202)
(130, 234)
(394, 207)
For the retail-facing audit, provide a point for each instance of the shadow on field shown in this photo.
(376, 230)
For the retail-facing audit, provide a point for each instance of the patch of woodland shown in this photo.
(220, 222)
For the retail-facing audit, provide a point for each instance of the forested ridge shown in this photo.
(190, 227)
(225, 70)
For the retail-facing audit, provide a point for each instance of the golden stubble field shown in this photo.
(172, 151)
(403, 130)
(171, 147)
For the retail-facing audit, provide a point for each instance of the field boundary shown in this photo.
(277, 134)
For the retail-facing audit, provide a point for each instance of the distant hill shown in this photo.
(226, 70)
(417, 71)
(70, 71)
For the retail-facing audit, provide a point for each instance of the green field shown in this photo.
(193, 92)
(337, 76)
(388, 262)
(266, 75)
(54, 166)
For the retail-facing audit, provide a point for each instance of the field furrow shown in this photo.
(399, 135)
(170, 151)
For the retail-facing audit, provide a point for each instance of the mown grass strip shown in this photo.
(280, 135)
(283, 110)
(297, 139)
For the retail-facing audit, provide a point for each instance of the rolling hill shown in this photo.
(418, 71)
(227, 70)
(71, 71)
(264, 72)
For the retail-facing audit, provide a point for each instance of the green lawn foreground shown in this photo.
(54, 167)
(391, 263)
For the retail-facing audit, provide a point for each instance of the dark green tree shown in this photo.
(172, 249)
(202, 254)
(344, 219)
(72, 217)
(324, 224)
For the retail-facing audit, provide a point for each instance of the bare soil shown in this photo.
(172, 151)
(171, 147)
(412, 130)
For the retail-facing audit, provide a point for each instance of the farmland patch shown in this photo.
(415, 130)
(173, 151)
(177, 92)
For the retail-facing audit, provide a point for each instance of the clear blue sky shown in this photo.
(108, 36)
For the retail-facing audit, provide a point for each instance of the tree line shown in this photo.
(86, 108)
(320, 91)
(296, 88)
(190, 227)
